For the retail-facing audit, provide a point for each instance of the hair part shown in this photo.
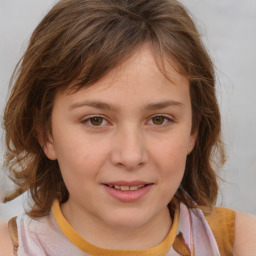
(78, 43)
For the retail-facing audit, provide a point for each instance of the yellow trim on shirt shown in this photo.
(85, 246)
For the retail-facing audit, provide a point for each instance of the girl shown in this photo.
(112, 125)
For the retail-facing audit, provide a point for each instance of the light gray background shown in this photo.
(228, 28)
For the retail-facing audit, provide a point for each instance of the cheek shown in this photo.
(80, 157)
(170, 165)
(80, 166)
(171, 152)
(170, 160)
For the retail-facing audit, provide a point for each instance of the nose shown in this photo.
(129, 149)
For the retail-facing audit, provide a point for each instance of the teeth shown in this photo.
(126, 188)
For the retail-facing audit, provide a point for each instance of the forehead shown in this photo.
(136, 80)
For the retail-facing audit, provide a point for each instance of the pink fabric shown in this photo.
(43, 238)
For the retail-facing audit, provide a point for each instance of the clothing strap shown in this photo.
(222, 224)
(13, 231)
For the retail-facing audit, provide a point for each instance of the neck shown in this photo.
(122, 237)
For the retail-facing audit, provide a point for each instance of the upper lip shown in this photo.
(128, 183)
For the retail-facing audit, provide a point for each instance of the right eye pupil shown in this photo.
(96, 121)
(158, 120)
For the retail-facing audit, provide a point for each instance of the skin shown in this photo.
(245, 235)
(128, 144)
(5, 240)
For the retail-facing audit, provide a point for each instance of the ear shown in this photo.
(192, 141)
(49, 149)
(47, 144)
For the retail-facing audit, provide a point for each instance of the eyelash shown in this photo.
(88, 121)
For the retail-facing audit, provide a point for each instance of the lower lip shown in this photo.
(128, 195)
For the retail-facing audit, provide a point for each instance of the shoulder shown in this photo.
(245, 235)
(5, 240)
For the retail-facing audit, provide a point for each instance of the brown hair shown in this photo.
(83, 40)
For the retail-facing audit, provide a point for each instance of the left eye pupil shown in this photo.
(158, 120)
(96, 121)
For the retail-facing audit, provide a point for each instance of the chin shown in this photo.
(127, 219)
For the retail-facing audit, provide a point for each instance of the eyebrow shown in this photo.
(164, 104)
(106, 106)
(94, 104)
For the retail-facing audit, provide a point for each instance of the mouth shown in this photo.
(126, 188)
(128, 191)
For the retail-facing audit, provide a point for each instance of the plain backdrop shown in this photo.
(228, 28)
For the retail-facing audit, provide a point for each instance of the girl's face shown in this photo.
(122, 143)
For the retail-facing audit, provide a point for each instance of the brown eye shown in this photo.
(96, 121)
(158, 120)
